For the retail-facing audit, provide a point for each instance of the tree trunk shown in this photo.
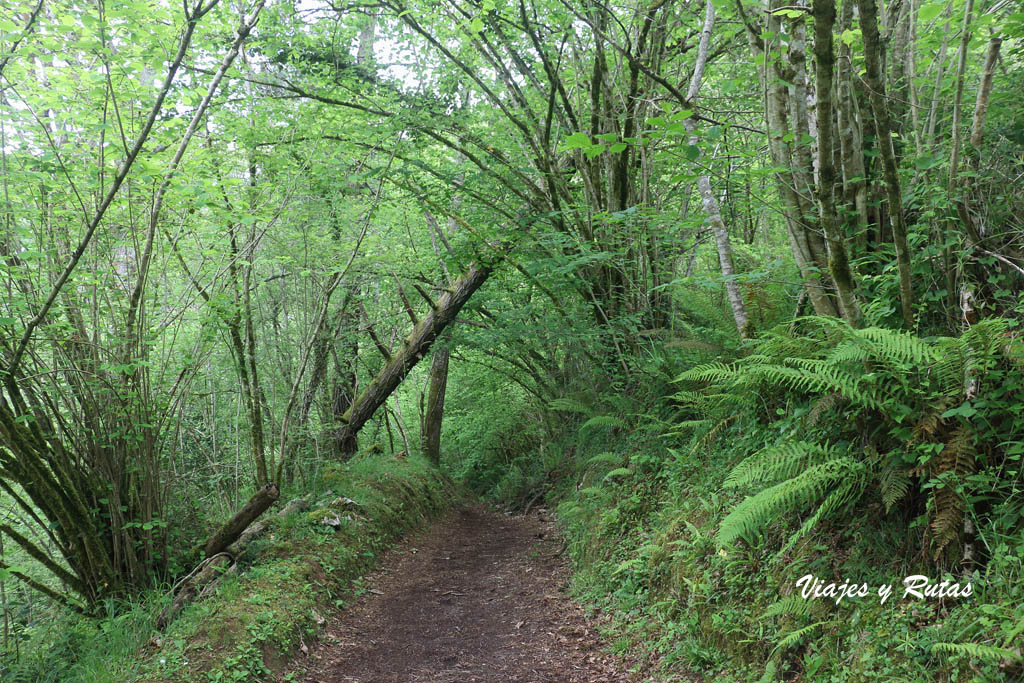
(855, 188)
(776, 108)
(940, 61)
(234, 527)
(984, 91)
(839, 263)
(876, 90)
(711, 208)
(958, 96)
(430, 436)
(415, 346)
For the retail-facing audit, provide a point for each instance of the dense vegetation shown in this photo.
(735, 285)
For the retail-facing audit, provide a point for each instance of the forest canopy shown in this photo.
(242, 241)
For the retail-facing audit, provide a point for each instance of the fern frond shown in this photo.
(895, 484)
(988, 653)
(600, 421)
(709, 372)
(816, 375)
(689, 398)
(849, 489)
(794, 605)
(711, 435)
(781, 461)
(955, 461)
(618, 472)
(569, 405)
(897, 346)
(794, 638)
(823, 405)
(800, 491)
(928, 426)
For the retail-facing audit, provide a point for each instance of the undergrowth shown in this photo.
(286, 583)
(692, 508)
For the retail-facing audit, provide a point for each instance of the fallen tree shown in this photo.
(224, 548)
(414, 348)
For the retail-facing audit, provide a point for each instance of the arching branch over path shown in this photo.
(415, 347)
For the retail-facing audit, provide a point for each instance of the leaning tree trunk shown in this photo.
(234, 527)
(415, 346)
(710, 202)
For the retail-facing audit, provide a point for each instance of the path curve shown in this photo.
(478, 597)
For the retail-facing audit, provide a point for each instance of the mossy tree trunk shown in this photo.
(839, 263)
(430, 437)
(875, 79)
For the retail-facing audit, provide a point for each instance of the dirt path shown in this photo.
(477, 597)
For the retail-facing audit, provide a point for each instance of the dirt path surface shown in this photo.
(480, 596)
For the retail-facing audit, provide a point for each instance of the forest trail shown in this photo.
(479, 596)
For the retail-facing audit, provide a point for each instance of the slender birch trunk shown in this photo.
(776, 108)
(710, 202)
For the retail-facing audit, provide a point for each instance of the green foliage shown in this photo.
(901, 382)
(986, 653)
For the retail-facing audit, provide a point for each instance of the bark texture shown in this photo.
(839, 262)
(873, 54)
(413, 349)
(708, 199)
(238, 523)
(431, 436)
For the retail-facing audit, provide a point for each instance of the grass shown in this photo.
(276, 597)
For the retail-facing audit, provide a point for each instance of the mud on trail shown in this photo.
(480, 596)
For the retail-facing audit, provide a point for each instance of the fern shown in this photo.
(781, 461)
(794, 605)
(618, 472)
(600, 421)
(804, 489)
(569, 405)
(822, 406)
(711, 435)
(895, 485)
(988, 653)
(848, 490)
(794, 638)
(897, 346)
(892, 383)
(952, 464)
(710, 372)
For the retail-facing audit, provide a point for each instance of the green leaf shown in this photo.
(929, 161)
(477, 25)
(929, 12)
(617, 147)
(576, 141)
(618, 472)
(965, 410)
